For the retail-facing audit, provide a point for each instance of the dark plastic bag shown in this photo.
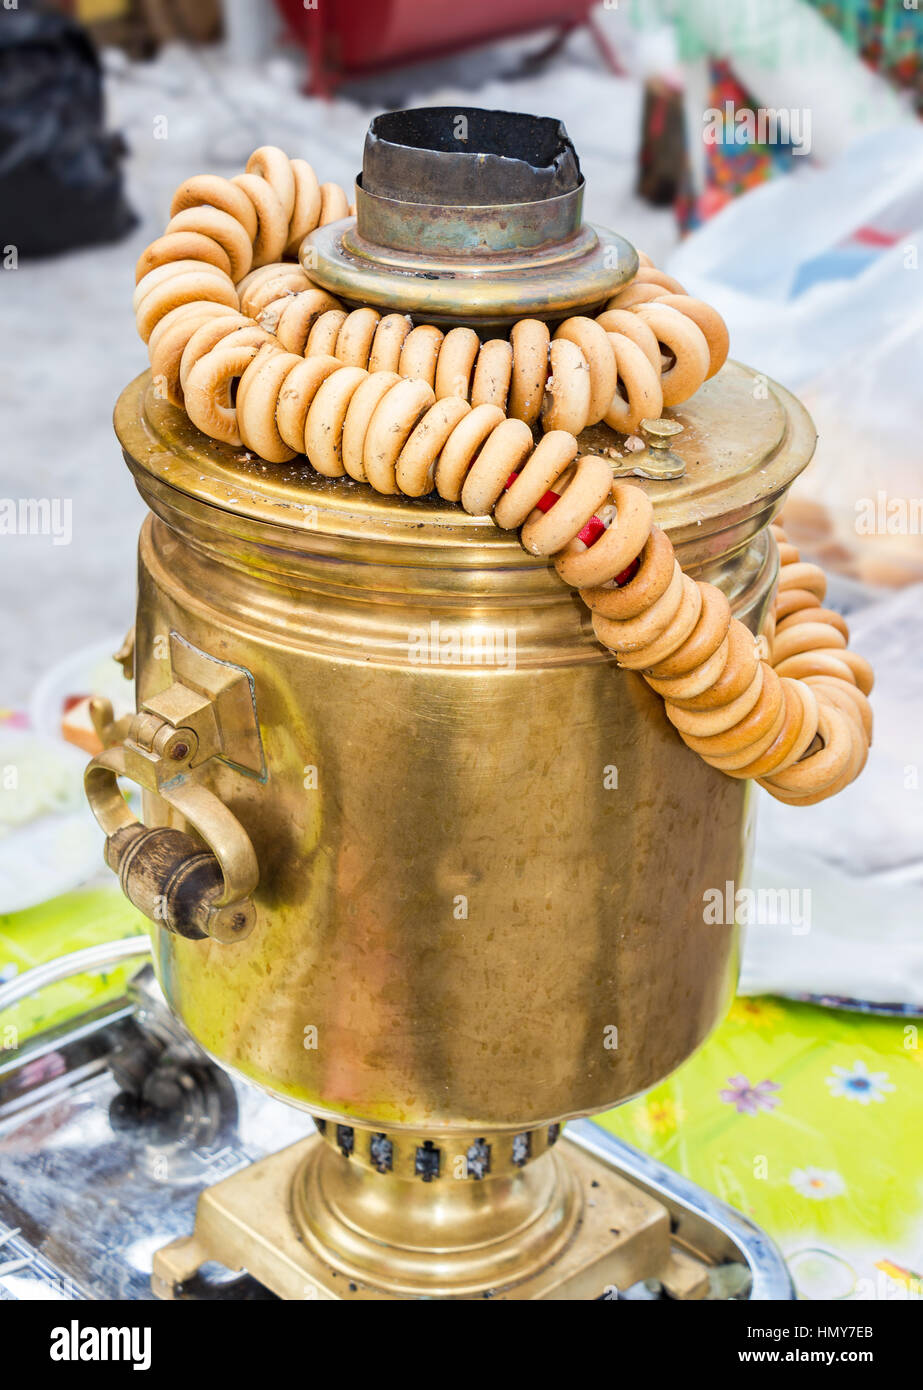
(60, 176)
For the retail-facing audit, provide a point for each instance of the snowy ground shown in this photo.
(69, 341)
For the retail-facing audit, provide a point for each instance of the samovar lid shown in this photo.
(744, 440)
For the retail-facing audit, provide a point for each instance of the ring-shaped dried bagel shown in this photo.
(566, 402)
(814, 615)
(633, 296)
(829, 661)
(271, 164)
(635, 634)
(362, 407)
(707, 635)
(285, 280)
(696, 680)
(631, 599)
(323, 426)
(210, 190)
(298, 391)
(265, 346)
(195, 309)
(334, 204)
(161, 274)
(794, 799)
(789, 601)
(650, 275)
(808, 730)
(182, 246)
(530, 340)
(747, 730)
(638, 395)
(504, 452)
(221, 228)
(819, 769)
(841, 693)
(457, 356)
(628, 325)
(673, 636)
(270, 315)
(355, 338)
(803, 576)
(305, 214)
(208, 391)
(200, 334)
(806, 637)
(780, 752)
(686, 341)
(232, 332)
(705, 723)
(420, 353)
(851, 769)
(593, 342)
(207, 283)
(845, 707)
(461, 448)
(493, 372)
(396, 417)
(325, 330)
(299, 314)
(859, 736)
(271, 271)
(732, 764)
(583, 489)
(271, 221)
(709, 321)
(861, 671)
(256, 410)
(739, 670)
(553, 455)
(416, 464)
(167, 345)
(388, 344)
(618, 546)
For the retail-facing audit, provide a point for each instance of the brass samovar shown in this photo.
(419, 859)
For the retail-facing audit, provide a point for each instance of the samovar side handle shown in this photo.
(190, 889)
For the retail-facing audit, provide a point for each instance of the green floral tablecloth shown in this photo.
(807, 1119)
(54, 928)
(810, 1121)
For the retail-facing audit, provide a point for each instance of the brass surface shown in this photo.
(489, 265)
(206, 712)
(303, 1225)
(487, 230)
(482, 853)
(481, 870)
(743, 444)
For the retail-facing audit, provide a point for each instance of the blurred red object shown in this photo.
(352, 38)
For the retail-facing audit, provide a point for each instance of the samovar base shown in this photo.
(127, 1183)
(307, 1223)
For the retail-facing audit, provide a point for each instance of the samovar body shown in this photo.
(483, 852)
(419, 858)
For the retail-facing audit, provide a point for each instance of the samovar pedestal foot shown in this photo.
(313, 1222)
